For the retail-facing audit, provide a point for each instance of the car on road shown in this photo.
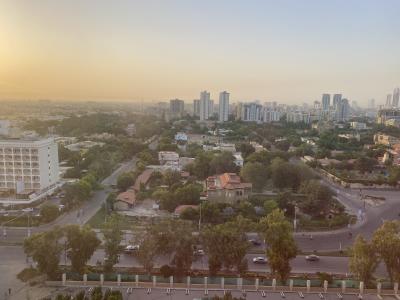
(255, 242)
(28, 209)
(131, 249)
(198, 252)
(260, 260)
(312, 257)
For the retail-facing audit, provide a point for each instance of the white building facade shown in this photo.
(28, 166)
(206, 106)
(223, 106)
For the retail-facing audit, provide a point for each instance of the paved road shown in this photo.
(337, 265)
(15, 260)
(88, 209)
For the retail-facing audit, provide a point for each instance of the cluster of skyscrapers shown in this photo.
(337, 110)
(392, 100)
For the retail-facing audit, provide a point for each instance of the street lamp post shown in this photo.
(29, 225)
(200, 218)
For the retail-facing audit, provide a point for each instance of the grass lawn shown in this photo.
(131, 223)
(97, 220)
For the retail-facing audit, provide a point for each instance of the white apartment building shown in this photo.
(28, 166)
(206, 106)
(223, 106)
(252, 112)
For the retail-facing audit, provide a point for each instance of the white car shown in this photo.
(131, 248)
(312, 257)
(29, 209)
(259, 260)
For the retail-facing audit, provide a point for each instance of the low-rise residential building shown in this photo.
(83, 146)
(143, 179)
(201, 139)
(257, 147)
(349, 136)
(168, 157)
(238, 159)
(385, 139)
(220, 147)
(227, 188)
(125, 200)
(130, 129)
(181, 137)
(358, 125)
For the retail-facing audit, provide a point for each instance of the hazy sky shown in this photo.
(288, 51)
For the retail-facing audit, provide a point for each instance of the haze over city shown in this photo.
(288, 51)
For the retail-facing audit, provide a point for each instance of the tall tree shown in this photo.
(112, 233)
(125, 180)
(81, 244)
(174, 237)
(386, 240)
(226, 245)
(284, 174)
(363, 259)
(45, 249)
(255, 173)
(277, 232)
(318, 197)
(147, 252)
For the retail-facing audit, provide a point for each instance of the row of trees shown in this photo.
(78, 245)
(46, 248)
(225, 244)
(384, 246)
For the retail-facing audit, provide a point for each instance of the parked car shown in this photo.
(260, 260)
(131, 248)
(312, 257)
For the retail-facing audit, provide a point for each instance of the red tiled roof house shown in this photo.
(227, 188)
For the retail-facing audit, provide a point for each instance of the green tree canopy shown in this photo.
(45, 249)
(81, 244)
(386, 240)
(125, 180)
(363, 259)
(112, 233)
(277, 232)
(255, 173)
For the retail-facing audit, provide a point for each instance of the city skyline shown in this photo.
(150, 51)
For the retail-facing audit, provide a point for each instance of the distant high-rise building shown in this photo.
(337, 99)
(223, 106)
(396, 97)
(239, 110)
(326, 102)
(204, 105)
(371, 103)
(196, 107)
(343, 111)
(176, 107)
(210, 108)
(388, 100)
(252, 112)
